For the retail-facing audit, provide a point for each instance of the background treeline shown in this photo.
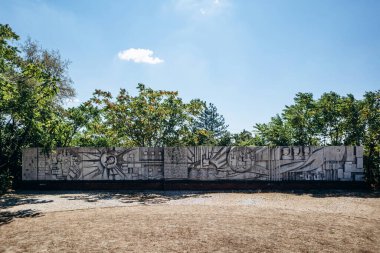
(35, 85)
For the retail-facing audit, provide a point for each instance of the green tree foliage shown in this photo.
(73, 121)
(152, 118)
(210, 125)
(244, 138)
(330, 120)
(302, 118)
(353, 126)
(330, 115)
(34, 84)
(28, 93)
(53, 65)
(226, 140)
(370, 115)
(277, 132)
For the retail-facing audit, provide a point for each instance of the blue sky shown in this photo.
(249, 58)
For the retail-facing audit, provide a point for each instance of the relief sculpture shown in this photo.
(335, 163)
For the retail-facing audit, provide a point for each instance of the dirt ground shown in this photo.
(189, 222)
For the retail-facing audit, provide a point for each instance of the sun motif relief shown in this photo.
(111, 170)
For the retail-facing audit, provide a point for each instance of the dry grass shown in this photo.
(217, 222)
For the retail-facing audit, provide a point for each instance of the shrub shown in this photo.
(5, 181)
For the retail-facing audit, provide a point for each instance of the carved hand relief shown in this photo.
(196, 163)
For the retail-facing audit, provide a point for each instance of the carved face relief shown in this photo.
(306, 151)
(286, 154)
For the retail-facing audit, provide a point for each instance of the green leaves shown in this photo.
(28, 109)
(210, 126)
(152, 118)
(330, 120)
(34, 84)
(278, 132)
(370, 115)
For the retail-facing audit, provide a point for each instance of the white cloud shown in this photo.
(139, 55)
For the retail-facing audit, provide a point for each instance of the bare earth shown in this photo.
(189, 222)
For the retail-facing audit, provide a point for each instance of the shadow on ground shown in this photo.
(341, 193)
(323, 193)
(11, 200)
(142, 197)
(7, 216)
(145, 198)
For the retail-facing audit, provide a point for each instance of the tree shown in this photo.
(354, 126)
(211, 122)
(28, 113)
(330, 116)
(53, 64)
(301, 118)
(226, 140)
(330, 120)
(275, 133)
(370, 115)
(152, 118)
(244, 138)
(75, 125)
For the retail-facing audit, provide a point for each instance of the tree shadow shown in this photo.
(8, 216)
(320, 193)
(340, 193)
(8, 201)
(129, 197)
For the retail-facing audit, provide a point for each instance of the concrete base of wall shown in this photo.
(166, 185)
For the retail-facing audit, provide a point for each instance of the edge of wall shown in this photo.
(172, 185)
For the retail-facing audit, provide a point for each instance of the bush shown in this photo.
(372, 170)
(5, 181)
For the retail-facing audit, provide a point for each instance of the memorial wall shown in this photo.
(333, 163)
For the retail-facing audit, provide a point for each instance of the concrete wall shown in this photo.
(336, 163)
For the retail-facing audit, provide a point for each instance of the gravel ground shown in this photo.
(66, 201)
(189, 221)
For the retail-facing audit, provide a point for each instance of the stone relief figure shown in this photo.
(74, 170)
(306, 151)
(198, 163)
(64, 166)
(215, 163)
(297, 151)
(286, 154)
(313, 168)
(241, 159)
(320, 155)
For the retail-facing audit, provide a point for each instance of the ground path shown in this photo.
(189, 222)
